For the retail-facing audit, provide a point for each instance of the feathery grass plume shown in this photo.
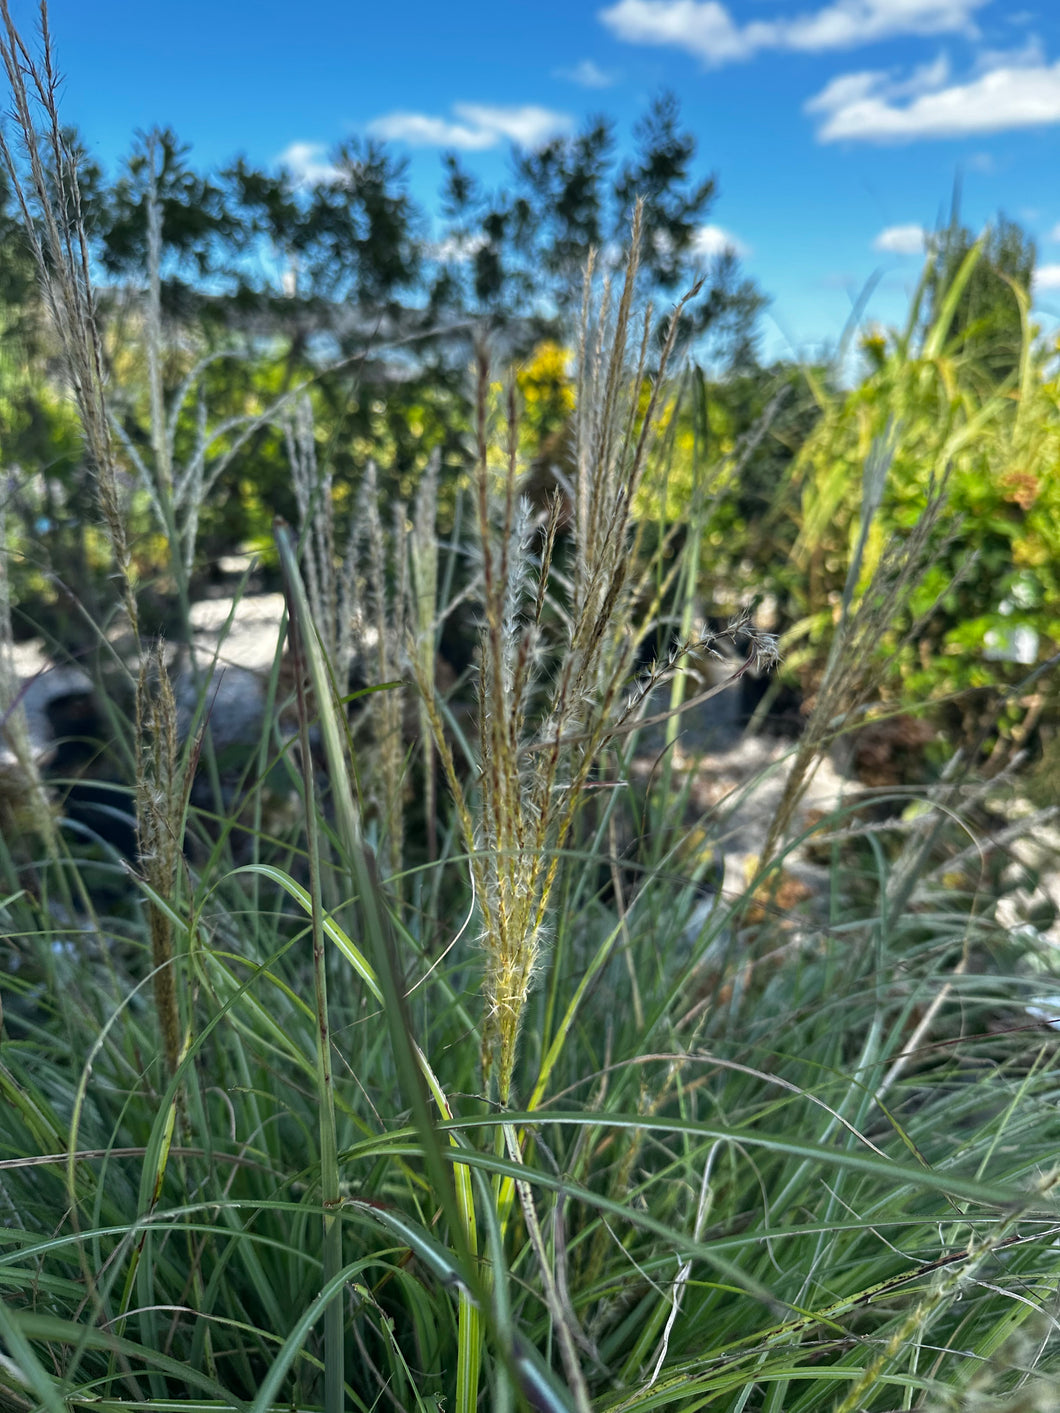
(422, 616)
(330, 594)
(48, 196)
(540, 733)
(178, 485)
(179, 473)
(162, 790)
(360, 608)
(386, 598)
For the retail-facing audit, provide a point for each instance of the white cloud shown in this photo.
(901, 240)
(850, 91)
(702, 27)
(421, 130)
(712, 241)
(1047, 277)
(528, 125)
(869, 107)
(306, 163)
(588, 75)
(1028, 55)
(706, 29)
(480, 126)
(1054, 234)
(844, 91)
(925, 78)
(849, 23)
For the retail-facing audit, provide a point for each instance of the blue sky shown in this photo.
(836, 128)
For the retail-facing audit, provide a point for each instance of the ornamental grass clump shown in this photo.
(542, 724)
(816, 1175)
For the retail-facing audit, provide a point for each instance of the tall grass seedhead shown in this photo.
(541, 728)
(48, 198)
(163, 787)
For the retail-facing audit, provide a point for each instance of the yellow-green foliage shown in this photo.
(701, 450)
(547, 391)
(998, 448)
(666, 492)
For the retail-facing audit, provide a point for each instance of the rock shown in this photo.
(56, 700)
(233, 701)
